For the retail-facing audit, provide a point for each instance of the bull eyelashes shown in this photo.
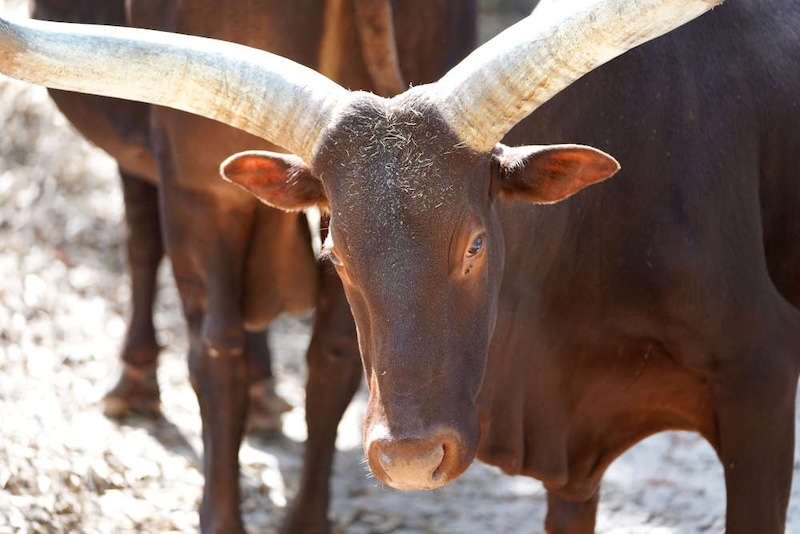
(476, 247)
(474, 250)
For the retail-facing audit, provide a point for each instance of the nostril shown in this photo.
(440, 471)
(386, 460)
(411, 464)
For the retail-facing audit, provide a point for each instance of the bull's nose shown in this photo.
(414, 464)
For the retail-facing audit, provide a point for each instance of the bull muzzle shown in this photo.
(419, 463)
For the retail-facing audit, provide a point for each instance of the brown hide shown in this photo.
(119, 127)
(422, 339)
(237, 262)
(651, 303)
(665, 298)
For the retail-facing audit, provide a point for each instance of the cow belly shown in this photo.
(281, 273)
(119, 127)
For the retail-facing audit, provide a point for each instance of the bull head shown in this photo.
(413, 184)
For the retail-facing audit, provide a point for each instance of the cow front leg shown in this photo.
(137, 388)
(207, 245)
(570, 517)
(218, 365)
(334, 374)
(219, 372)
(755, 403)
(265, 405)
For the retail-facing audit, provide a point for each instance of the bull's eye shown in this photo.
(476, 247)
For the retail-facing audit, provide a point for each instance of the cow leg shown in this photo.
(570, 517)
(218, 370)
(749, 360)
(219, 366)
(334, 374)
(755, 403)
(207, 241)
(137, 388)
(265, 405)
(259, 357)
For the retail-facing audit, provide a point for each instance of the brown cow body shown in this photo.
(239, 263)
(122, 129)
(546, 339)
(648, 303)
(645, 304)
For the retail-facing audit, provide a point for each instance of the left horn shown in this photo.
(261, 93)
(506, 79)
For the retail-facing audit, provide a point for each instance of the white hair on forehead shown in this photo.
(391, 176)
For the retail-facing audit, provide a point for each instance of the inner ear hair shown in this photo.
(550, 173)
(498, 166)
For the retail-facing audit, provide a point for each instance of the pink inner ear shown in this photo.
(255, 172)
(569, 170)
(553, 173)
(596, 165)
(584, 163)
(281, 180)
(562, 164)
(250, 164)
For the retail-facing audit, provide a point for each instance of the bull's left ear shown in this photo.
(283, 181)
(546, 174)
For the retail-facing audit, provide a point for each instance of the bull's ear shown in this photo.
(546, 174)
(283, 181)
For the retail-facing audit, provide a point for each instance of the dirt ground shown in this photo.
(64, 467)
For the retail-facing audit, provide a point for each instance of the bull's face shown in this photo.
(417, 239)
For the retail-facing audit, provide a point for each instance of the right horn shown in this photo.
(261, 93)
(506, 79)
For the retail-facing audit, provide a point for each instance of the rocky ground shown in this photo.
(64, 467)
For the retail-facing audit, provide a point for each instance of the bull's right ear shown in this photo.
(282, 181)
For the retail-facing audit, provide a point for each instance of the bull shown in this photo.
(122, 129)
(233, 281)
(548, 339)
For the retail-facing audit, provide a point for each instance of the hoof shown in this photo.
(265, 408)
(136, 392)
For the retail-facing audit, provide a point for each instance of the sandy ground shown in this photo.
(64, 467)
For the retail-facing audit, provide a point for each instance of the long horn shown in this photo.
(261, 93)
(504, 80)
